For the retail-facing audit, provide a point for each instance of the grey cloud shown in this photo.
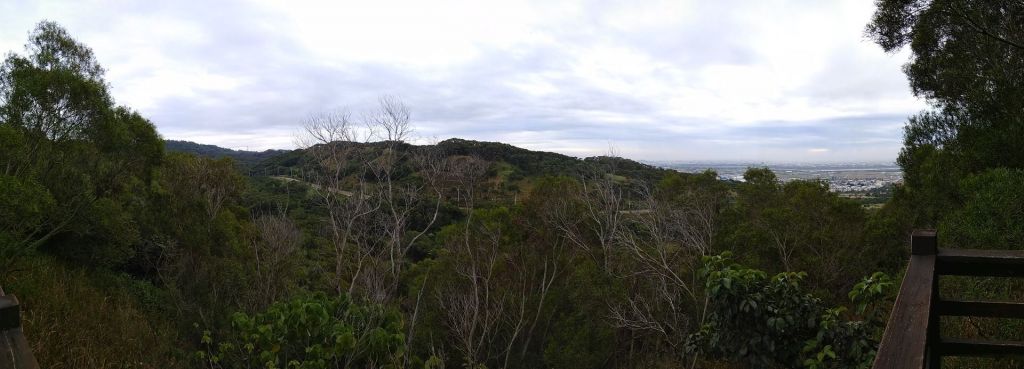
(284, 83)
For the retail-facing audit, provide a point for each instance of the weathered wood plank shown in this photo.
(15, 352)
(967, 347)
(988, 309)
(983, 263)
(906, 334)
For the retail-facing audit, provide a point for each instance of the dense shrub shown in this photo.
(315, 331)
(772, 322)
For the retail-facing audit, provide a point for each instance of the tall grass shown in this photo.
(75, 318)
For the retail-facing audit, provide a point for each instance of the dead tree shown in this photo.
(329, 140)
(274, 248)
(474, 306)
(369, 207)
(391, 121)
(661, 249)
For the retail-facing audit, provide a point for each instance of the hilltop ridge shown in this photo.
(512, 161)
(243, 157)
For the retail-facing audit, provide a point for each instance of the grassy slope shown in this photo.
(75, 318)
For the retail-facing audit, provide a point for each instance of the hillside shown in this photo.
(513, 163)
(244, 158)
(460, 254)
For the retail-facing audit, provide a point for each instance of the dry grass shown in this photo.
(71, 322)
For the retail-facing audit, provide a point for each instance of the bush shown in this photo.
(314, 331)
(772, 322)
(991, 217)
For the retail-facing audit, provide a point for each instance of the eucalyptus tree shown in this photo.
(62, 131)
(967, 61)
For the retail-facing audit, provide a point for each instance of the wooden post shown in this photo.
(10, 314)
(923, 242)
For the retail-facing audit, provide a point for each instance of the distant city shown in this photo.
(842, 177)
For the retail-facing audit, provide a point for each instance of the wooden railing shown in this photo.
(14, 350)
(912, 337)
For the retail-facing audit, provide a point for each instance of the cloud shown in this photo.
(660, 80)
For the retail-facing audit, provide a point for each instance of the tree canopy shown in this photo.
(967, 61)
(374, 252)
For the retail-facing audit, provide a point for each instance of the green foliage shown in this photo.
(197, 196)
(60, 129)
(575, 340)
(968, 62)
(772, 322)
(993, 212)
(965, 53)
(59, 73)
(841, 343)
(961, 160)
(596, 267)
(695, 190)
(531, 163)
(754, 318)
(797, 225)
(315, 331)
(24, 208)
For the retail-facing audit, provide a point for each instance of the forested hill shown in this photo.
(243, 157)
(511, 162)
(468, 254)
(534, 163)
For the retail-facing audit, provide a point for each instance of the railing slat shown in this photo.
(906, 334)
(988, 309)
(15, 353)
(966, 347)
(982, 263)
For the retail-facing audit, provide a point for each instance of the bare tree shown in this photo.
(329, 140)
(535, 268)
(662, 247)
(603, 202)
(390, 122)
(274, 252)
(370, 208)
(474, 307)
(493, 307)
(497, 300)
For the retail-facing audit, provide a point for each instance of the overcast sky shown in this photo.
(657, 80)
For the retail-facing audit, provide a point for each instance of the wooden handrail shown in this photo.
(15, 352)
(912, 338)
(905, 341)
